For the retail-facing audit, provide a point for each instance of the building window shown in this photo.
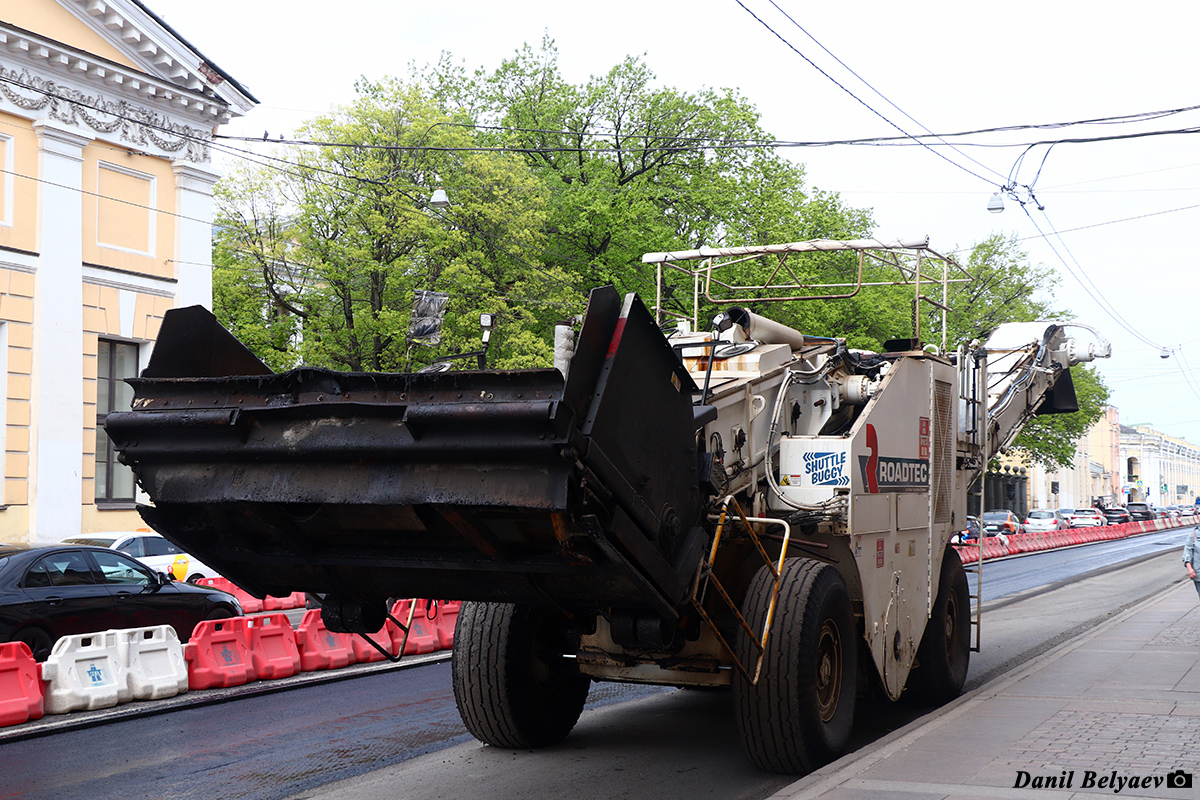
(116, 361)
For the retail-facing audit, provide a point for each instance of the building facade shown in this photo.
(1158, 469)
(1095, 475)
(106, 123)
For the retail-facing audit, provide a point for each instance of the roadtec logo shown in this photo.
(884, 473)
(1113, 781)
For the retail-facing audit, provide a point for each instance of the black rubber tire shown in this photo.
(40, 642)
(800, 713)
(512, 685)
(945, 651)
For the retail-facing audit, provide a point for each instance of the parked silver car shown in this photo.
(1044, 520)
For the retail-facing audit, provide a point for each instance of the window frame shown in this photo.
(108, 460)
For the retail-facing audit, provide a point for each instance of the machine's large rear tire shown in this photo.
(945, 650)
(799, 714)
(512, 685)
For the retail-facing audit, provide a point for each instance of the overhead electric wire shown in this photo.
(253, 156)
(1186, 369)
(1086, 285)
(266, 161)
(884, 97)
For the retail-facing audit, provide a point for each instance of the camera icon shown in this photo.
(1179, 780)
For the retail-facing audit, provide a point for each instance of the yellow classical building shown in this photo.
(106, 123)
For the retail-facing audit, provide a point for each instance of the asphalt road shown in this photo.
(398, 734)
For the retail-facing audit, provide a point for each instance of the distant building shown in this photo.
(106, 120)
(1157, 468)
(1095, 475)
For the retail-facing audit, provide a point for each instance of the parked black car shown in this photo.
(51, 591)
(1140, 511)
(1001, 522)
(1117, 515)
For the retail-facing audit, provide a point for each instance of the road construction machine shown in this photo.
(747, 506)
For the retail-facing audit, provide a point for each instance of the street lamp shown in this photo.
(995, 203)
(439, 199)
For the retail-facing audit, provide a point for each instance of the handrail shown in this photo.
(705, 577)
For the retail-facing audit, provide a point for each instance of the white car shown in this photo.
(1088, 518)
(153, 550)
(1042, 521)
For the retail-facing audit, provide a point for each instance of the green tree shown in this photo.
(339, 238)
(1051, 440)
(1006, 287)
(631, 167)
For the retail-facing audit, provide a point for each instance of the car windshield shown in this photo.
(1041, 515)
(995, 516)
(1087, 512)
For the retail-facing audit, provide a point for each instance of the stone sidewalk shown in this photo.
(1113, 712)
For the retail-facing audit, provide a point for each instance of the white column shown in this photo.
(56, 454)
(193, 239)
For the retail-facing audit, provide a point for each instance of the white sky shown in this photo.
(951, 65)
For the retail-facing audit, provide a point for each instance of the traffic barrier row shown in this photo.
(251, 604)
(100, 670)
(1015, 544)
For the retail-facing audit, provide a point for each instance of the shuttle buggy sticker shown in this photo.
(825, 469)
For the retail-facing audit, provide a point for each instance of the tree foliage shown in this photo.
(1052, 440)
(339, 240)
(556, 187)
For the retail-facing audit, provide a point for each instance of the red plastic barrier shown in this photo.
(217, 654)
(423, 635)
(250, 604)
(273, 603)
(22, 694)
(272, 644)
(399, 611)
(293, 600)
(365, 653)
(994, 548)
(447, 620)
(967, 555)
(320, 648)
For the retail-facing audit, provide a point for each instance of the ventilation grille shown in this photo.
(942, 472)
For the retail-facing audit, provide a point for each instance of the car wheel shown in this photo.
(40, 642)
(220, 612)
(194, 579)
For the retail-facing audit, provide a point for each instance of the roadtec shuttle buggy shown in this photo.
(745, 506)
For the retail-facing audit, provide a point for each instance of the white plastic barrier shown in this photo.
(84, 673)
(153, 660)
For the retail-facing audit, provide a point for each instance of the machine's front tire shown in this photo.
(799, 714)
(945, 651)
(512, 684)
